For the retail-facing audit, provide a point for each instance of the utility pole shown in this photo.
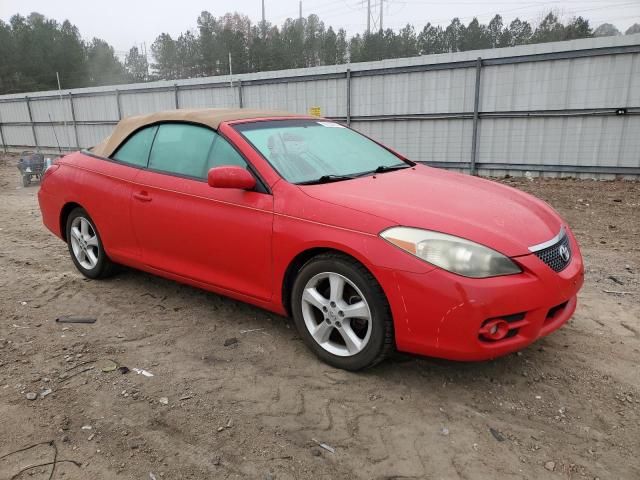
(263, 20)
(381, 14)
(368, 17)
(301, 10)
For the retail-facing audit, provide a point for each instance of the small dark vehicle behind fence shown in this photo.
(31, 165)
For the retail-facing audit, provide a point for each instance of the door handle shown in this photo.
(142, 196)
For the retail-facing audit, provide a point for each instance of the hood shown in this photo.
(483, 211)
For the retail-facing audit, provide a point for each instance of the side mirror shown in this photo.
(231, 177)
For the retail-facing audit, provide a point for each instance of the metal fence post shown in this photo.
(73, 118)
(33, 126)
(4, 144)
(348, 97)
(240, 100)
(476, 103)
(175, 94)
(118, 104)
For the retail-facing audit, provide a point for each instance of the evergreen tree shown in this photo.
(549, 30)
(519, 33)
(341, 47)
(356, 45)
(312, 39)
(329, 49)
(209, 48)
(136, 65)
(495, 31)
(475, 36)
(453, 36)
(166, 55)
(188, 56)
(293, 43)
(103, 67)
(407, 42)
(431, 40)
(578, 27)
(8, 60)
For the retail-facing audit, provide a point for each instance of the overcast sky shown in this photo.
(124, 23)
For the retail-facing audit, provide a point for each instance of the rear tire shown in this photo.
(342, 313)
(85, 246)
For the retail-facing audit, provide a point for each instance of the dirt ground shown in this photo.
(566, 407)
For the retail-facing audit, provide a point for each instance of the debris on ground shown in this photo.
(615, 280)
(328, 448)
(31, 396)
(45, 392)
(108, 366)
(141, 371)
(123, 369)
(76, 320)
(551, 466)
(496, 434)
(163, 400)
(251, 330)
(444, 431)
(230, 341)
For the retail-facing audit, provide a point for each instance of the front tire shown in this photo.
(342, 313)
(85, 246)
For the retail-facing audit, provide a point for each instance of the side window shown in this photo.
(223, 153)
(182, 149)
(135, 150)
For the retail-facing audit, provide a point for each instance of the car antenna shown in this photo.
(54, 132)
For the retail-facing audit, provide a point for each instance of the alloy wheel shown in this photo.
(336, 314)
(84, 243)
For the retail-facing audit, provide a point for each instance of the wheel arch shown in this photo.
(66, 210)
(296, 263)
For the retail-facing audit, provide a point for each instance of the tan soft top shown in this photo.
(211, 117)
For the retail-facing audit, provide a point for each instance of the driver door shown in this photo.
(217, 236)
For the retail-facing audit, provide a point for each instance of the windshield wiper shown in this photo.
(338, 178)
(327, 179)
(385, 168)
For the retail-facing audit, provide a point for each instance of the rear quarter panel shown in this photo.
(103, 188)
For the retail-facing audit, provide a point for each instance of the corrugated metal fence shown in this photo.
(558, 107)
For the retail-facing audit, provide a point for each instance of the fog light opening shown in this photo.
(495, 330)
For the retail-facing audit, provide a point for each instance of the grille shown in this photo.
(551, 255)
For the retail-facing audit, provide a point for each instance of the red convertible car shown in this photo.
(365, 249)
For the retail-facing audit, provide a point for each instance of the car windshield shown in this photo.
(315, 151)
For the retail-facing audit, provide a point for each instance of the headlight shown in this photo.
(450, 253)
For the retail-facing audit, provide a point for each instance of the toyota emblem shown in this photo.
(564, 253)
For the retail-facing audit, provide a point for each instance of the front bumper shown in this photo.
(440, 314)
